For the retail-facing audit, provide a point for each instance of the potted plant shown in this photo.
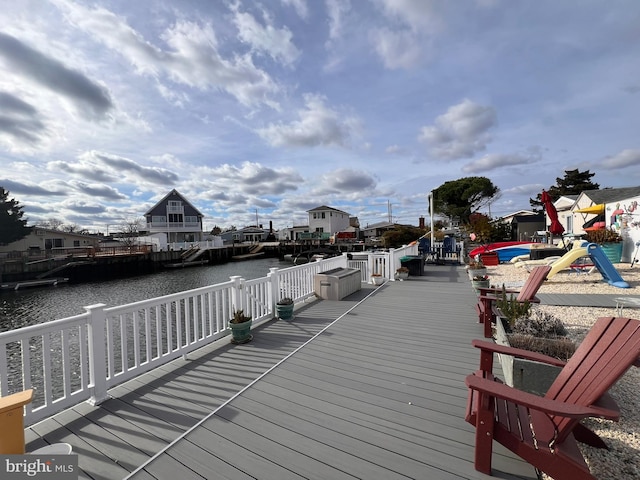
(476, 268)
(480, 281)
(284, 307)
(376, 279)
(240, 326)
(609, 240)
(402, 273)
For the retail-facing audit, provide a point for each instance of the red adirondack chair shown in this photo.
(544, 430)
(527, 293)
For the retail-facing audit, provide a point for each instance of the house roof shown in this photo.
(610, 195)
(325, 208)
(172, 193)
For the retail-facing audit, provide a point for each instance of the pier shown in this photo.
(369, 387)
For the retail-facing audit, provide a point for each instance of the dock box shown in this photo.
(337, 283)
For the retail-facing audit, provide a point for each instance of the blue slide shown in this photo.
(605, 267)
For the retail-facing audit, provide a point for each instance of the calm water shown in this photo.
(31, 306)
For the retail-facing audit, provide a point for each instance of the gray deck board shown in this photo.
(379, 394)
(147, 413)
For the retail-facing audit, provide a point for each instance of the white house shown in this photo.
(618, 208)
(42, 239)
(175, 217)
(328, 220)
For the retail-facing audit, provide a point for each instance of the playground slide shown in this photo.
(605, 267)
(567, 260)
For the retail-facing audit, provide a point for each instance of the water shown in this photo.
(29, 307)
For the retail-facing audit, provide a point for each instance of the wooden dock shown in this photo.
(379, 393)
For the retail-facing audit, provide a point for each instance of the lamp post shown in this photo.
(430, 196)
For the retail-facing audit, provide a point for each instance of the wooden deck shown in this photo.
(379, 394)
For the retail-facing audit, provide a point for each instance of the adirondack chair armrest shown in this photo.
(541, 404)
(517, 352)
(15, 400)
(491, 293)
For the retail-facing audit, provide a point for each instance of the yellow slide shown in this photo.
(567, 260)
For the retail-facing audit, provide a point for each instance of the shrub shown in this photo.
(560, 348)
(511, 309)
(604, 235)
(239, 317)
(539, 324)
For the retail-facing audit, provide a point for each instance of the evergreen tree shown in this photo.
(573, 183)
(460, 198)
(12, 226)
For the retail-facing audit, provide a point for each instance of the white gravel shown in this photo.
(623, 438)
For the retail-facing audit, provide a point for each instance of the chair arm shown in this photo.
(541, 404)
(16, 400)
(495, 290)
(517, 352)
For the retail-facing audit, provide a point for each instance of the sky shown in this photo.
(260, 111)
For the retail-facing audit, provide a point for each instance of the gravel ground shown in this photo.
(623, 438)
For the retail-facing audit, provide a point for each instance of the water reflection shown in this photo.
(29, 307)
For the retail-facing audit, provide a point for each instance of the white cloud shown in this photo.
(337, 10)
(461, 132)
(494, 161)
(398, 49)
(419, 14)
(318, 125)
(192, 59)
(626, 158)
(128, 170)
(300, 6)
(277, 43)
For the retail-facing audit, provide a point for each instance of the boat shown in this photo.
(51, 282)
(508, 250)
(311, 256)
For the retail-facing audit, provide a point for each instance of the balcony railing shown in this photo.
(79, 358)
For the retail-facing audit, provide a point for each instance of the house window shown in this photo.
(76, 243)
(174, 203)
(175, 218)
(319, 229)
(158, 219)
(569, 224)
(191, 219)
(322, 214)
(315, 215)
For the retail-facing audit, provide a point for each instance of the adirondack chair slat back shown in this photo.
(609, 349)
(533, 283)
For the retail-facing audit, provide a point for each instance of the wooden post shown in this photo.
(12, 422)
(97, 354)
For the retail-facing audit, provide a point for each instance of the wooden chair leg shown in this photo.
(484, 436)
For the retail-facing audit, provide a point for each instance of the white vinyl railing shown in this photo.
(79, 358)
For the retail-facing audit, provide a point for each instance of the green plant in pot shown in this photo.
(402, 273)
(240, 326)
(284, 307)
(609, 240)
(476, 268)
(480, 281)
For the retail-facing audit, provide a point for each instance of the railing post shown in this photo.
(97, 353)
(274, 288)
(237, 299)
(392, 263)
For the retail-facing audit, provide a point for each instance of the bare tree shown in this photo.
(51, 223)
(130, 230)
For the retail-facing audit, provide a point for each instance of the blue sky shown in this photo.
(276, 107)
